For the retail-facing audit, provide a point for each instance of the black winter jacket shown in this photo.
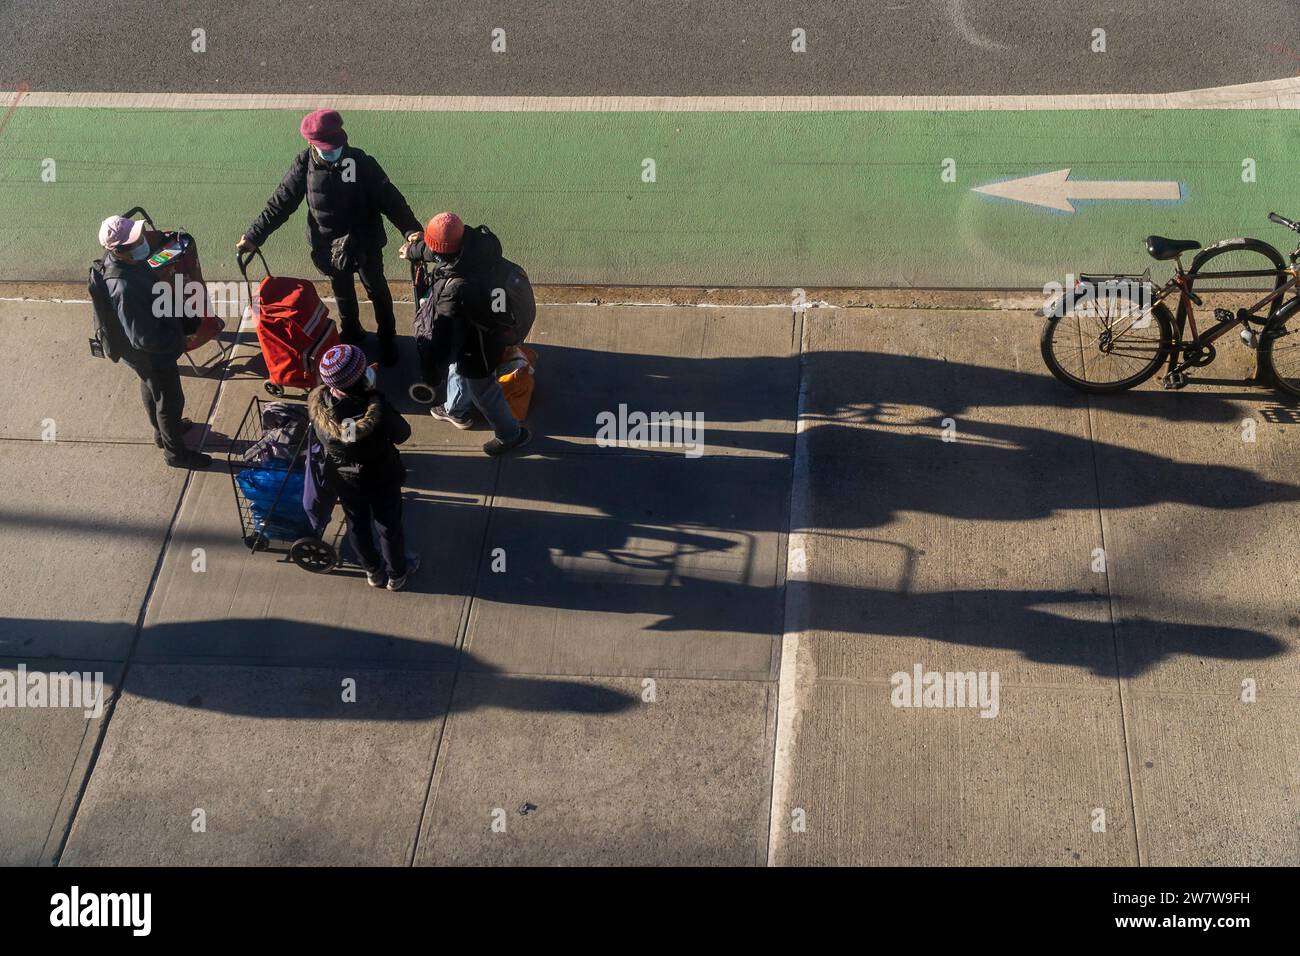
(369, 462)
(336, 207)
(462, 301)
(150, 341)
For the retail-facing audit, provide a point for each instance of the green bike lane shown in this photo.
(773, 199)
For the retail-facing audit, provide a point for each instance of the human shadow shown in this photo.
(395, 678)
(668, 543)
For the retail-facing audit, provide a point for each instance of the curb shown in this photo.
(702, 296)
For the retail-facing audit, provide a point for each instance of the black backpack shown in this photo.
(107, 339)
(513, 325)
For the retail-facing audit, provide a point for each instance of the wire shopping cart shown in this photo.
(268, 479)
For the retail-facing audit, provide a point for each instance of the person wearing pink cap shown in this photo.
(348, 194)
(359, 432)
(150, 342)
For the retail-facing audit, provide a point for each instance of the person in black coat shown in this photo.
(359, 433)
(153, 337)
(466, 345)
(347, 194)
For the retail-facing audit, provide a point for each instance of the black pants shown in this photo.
(164, 403)
(383, 506)
(376, 286)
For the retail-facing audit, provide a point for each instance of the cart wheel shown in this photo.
(313, 554)
(272, 388)
(421, 393)
(257, 541)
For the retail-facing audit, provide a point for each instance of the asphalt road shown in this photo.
(648, 47)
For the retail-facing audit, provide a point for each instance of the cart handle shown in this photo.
(244, 258)
(140, 209)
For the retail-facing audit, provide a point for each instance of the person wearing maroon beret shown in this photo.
(348, 195)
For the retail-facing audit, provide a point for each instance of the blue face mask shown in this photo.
(140, 252)
(371, 382)
(330, 155)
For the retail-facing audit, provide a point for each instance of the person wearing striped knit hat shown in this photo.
(360, 431)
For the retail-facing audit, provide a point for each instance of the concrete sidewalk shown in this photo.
(612, 695)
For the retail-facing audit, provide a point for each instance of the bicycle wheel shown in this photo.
(1279, 354)
(1107, 343)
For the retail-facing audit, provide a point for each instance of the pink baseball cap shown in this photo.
(118, 231)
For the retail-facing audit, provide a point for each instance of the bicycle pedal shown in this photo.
(1225, 315)
(1174, 381)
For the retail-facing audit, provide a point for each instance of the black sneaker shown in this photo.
(498, 447)
(186, 425)
(460, 421)
(194, 460)
(388, 352)
(377, 578)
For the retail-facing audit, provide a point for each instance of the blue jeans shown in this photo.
(486, 395)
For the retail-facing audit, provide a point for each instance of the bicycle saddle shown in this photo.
(1161, 248)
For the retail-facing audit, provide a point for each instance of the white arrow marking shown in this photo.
(1055, 190)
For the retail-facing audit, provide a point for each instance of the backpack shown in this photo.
(107, 339)
(521, 308)
(511, 325)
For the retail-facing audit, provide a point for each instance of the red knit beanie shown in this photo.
(444, 233)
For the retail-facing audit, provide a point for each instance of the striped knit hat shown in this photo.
(342, 367)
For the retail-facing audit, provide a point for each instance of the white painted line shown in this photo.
(798, 671)
(957, 16)
(1055, 189)
(1268, 94)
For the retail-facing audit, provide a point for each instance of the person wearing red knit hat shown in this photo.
(463, 262)
(347, 195)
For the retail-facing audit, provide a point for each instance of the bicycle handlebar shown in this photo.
(1284, 221)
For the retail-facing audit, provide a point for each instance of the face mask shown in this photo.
(329, 155)
(140, 252)
(371, 381)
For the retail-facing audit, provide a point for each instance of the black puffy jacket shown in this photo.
(338, 203)
(148, 340)
(370, 460)
(462, 301)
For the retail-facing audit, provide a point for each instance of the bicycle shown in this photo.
(1123, 323)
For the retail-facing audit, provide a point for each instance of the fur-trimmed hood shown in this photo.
(323, 410)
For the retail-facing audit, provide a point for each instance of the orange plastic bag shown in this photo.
(516, 377)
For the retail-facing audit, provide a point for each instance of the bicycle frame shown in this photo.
(1185, 315)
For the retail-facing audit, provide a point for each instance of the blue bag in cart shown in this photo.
(270, 492)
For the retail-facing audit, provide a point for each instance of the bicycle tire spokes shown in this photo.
(1116, 339)
(1282, 346)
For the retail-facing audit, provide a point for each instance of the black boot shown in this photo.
(388, 351)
